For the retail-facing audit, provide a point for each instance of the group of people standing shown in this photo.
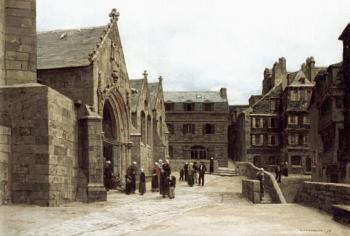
(162, 180)
(194, 173)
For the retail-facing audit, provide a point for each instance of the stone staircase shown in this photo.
(266, 199)
(222, 171)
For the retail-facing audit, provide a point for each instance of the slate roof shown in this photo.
(193, 96)
(66, 48)
(136, 86)
(263, 105)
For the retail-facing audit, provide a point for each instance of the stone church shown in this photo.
(66, 107)
(149, 134)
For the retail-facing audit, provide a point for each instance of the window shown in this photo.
(257, 139)
(171, 128)
(296, 160)
(306, 120)
(169, 106)
(188, 106)
(208, 106)
(293, 139)
(272, 123)
(198, 152)
(292, 119)
(257, 122)
(272, 141)
(209, 129)
(188, 129)
(294, 95)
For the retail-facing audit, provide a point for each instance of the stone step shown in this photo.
(266, 199)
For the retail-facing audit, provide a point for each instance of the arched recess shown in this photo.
(149, 129)
(161, 127)
(143, 127)
(116, 126)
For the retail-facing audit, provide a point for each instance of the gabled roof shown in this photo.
(346, 33)
(153, 91)
(136, 90)
(193, 96)
(300, 80)
(263, 105)
(73, 47)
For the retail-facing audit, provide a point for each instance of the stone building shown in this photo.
(56, 134)
(198, 125)
(148, 120)
(275, 127)
(330, 115)
(235, 132)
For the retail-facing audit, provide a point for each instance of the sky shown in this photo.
(209, 44)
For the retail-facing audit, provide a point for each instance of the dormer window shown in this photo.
(208, 106)
(169, 106)
(188, 106)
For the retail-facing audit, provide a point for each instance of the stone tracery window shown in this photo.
(198, 152)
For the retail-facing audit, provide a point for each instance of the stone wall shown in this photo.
(2, 42)
(271, 186)
(251, 190)
(5, 161)
(44, 144)
(63, 148)
(176, 165)
(20, 46)
(323, 195)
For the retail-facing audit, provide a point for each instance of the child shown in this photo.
(172, 184)
(142, 186)
(182, 172)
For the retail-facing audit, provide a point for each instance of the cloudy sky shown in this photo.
(208, 44)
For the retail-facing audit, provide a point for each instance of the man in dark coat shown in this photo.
(108, 175)
(186, 171)
(278, 173)
(167, 168)
(142, 184)
(211, 165)
(164, 184)
(201, 170)
(260, 177)
(131, 172)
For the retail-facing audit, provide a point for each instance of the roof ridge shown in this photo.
(71, 29)
(268, 93)
(114, 15)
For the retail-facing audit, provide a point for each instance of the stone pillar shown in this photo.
(2, 42)
(93, 157)
(5, 165)
(20, 46)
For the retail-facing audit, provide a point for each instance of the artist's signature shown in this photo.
(327, 231)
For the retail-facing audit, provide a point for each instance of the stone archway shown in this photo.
(116, 126)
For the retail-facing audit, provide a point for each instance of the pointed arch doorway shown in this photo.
(111, 147)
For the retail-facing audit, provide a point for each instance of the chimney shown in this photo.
(223, 93)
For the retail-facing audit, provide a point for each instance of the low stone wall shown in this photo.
(5, 150)
(251, 190)
(177, 164)
(271, 186)
(323, 195)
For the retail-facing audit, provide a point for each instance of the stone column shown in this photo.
(93, 157)
(20, 47)
(2, 42)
